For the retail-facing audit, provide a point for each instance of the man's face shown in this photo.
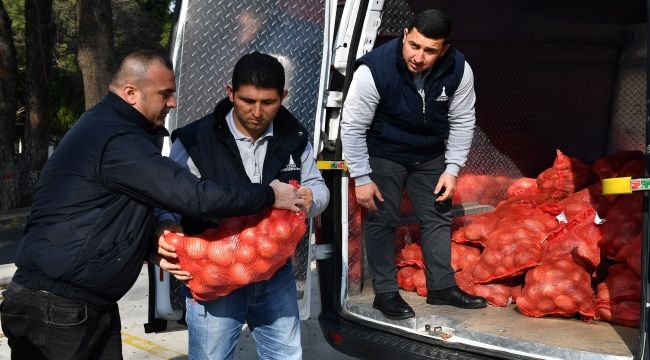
(254, 108)
(420, 52)
(154, 96)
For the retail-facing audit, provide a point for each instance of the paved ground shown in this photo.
(169, 345)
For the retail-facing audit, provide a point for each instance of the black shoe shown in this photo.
(454, 296)
(393, 306)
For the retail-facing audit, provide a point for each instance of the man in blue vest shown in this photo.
(408, 121)
(249, 138)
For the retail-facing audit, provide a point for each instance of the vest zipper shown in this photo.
(424, 105)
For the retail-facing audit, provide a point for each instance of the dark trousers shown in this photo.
(379, 230)
(41, 325)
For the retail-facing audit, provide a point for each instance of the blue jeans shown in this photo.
(269, 307)
(41, 325)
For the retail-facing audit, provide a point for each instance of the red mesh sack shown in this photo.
(469, 188)
(420, 282)
(559, 287)
(631, 254)
(482, 225)
(355, 217)
(479, 230)
(566, 176)
(462, 255)
(523, 186)
(458, 224)
(622, 223)
(621, 284)
(610, 166)
(508, 253)
(626, 313)
(458, 236)
(484, 189)
(411, 254)
(577, 239)
(465, 276)
(589, 197)
(497, 294)
(406, 206)
(528, 216)
(510, 213)
(633, 168)
(405, 278)
(241, 251)
(405, 235)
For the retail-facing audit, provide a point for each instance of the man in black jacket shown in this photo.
(91, 225)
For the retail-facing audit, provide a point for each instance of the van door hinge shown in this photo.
(441, 332)
(333, 99)
(322, 252)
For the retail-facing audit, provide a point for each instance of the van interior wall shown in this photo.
(549, 74)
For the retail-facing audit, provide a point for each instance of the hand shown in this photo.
(165, 249)
(366, 194)
(307, 196)
(166, 257)
(173, 267)
(448, 182)
(286, 196)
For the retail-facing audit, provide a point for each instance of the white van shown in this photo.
(569, 75)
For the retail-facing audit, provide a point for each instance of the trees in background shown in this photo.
(39, 43)
(55, 61)
(8, 85)
(95, 53)
(8, 103)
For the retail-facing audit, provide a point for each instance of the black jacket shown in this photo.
(91, 223)
(214, 151)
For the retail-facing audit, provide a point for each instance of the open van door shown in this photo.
(207, 39)
(568, 75)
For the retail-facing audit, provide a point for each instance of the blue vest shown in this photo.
(214, 151)
(405, 128)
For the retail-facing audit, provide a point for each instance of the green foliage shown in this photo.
(141, 24)
(136, 24)
(65, 43)
(67, 100)
(16, 11)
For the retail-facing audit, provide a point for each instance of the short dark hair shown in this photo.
(134, 65)
(433, 24)
(259, 70)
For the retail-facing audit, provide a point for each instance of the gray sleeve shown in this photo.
(358, 112)
(179, 154)
(462, 119)
(311, 178)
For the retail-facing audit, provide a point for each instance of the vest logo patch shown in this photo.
(291, 166)
(443, 96)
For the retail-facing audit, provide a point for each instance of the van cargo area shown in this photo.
(549, 75)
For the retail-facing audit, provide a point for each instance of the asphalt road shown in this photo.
(170, 345)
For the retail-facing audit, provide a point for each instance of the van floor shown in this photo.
(506, 328)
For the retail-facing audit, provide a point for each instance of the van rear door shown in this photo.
(208, 38)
